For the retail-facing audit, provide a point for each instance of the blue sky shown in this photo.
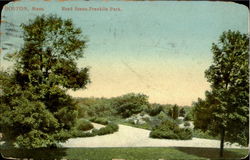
(157, 48)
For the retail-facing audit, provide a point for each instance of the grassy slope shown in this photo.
(148, 153)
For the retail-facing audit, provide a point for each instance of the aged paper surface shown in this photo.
(154, 50)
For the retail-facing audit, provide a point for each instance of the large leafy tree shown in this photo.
(225, 111)
(130, 104)
(35, 110)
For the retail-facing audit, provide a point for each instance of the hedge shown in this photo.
(108, 129)
(170, 130)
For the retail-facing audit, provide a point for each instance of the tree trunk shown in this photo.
(222, 141)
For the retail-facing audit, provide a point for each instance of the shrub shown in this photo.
(84, 125)
(154, 109)
(146, 119)
(182, 112)
(103, 121)
(189, 116)
(103, 131)
(162, 116)
(131, 121)
(170, 130)
(95, 131)
(77, 133)
(185, 133)
(155, 122)
(178, 121)
(110, 128)
(114, 126)
(186, 124)
(163, 134)
(201, 134)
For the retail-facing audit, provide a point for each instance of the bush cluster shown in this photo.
(170, 130)
(108, 129)
(189, 116)
(78, 133)
(154, 109)
(100, 120)
(186, 124)
(84, 125)
(198, 133)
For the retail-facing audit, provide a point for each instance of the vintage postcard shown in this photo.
(124, 80)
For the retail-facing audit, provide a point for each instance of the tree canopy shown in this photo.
(35, 110)
(130, 104)
(225, 109)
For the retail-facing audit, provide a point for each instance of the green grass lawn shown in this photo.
(142, 153)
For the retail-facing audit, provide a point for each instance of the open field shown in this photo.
(142, 153)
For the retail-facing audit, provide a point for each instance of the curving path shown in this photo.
(135, 137)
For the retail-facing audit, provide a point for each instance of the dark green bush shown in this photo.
(170, 130)
(114, 126)
(163, 134)
(95, 131)
(186, 124)
(77, 133)
(162, 116)
(189, 116)
(201, 134)
(100, 120)
(110, 128)
(104, 130)
(185, 133)
(154, 109)
(84, 125)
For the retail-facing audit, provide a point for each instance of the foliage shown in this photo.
(95, 107)
(35, 110)
(110, 128)
(182, 112)
(186, 124)
(170, 130)
(154, 109)
(130, 104)
(108, 107)
(175, 112)
(100, 120)
(84, 125)
(162, 116)
(189, 116)
(225, 109)
(78, 133)
(198, 133)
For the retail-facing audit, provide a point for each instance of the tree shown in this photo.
(182, 112)
(35, 109)
(175, 112)
(225, 109)
(170, 112)
(130, 104)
